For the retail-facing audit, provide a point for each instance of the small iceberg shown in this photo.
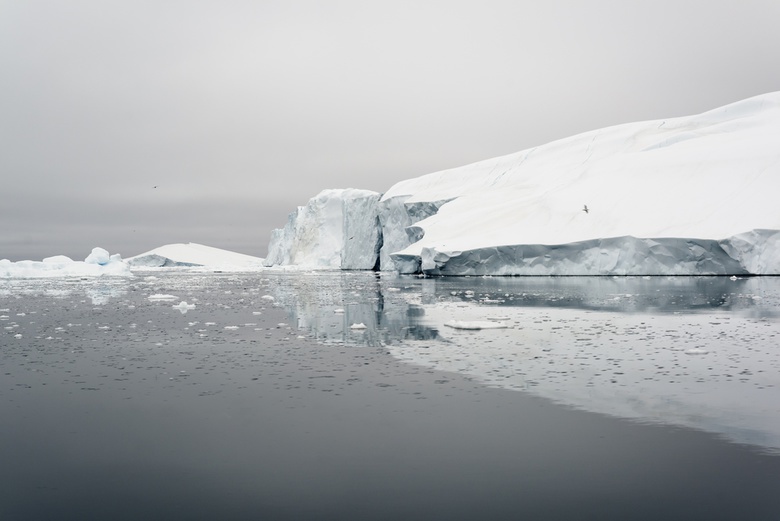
(183, 307)
(474, 325)
(97, 263)
(161, 296)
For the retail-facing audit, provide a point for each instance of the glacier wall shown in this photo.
(337, 229)
(756, 252)
(694, 195)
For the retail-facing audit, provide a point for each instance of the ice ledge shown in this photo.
(756, 252)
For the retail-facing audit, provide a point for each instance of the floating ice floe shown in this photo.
(183, 307)
(97, 263)
(161, 296)
(475, 324)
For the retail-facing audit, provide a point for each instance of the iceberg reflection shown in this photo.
(697, 352)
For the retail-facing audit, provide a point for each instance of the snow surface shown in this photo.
(689, 195)
(97, 263)
(192, 254)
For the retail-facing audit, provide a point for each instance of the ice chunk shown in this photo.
(98, 256)
(183, 307)
(97, 263)
(475, 324)
(161, 296)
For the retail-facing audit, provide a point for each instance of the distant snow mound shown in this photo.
(693, 195)
(192, 254)
(97, 263)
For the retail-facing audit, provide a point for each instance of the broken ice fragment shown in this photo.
(475, 324)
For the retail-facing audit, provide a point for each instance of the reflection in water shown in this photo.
(99, 290)
(692, 351)
(328, 304)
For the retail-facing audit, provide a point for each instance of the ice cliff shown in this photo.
(684, 196)
(337, 229)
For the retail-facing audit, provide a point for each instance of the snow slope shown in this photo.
(688, 195)
(192, 254)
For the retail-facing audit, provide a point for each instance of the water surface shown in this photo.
(264, 402)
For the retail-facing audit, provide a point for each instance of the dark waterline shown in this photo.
(109, 421)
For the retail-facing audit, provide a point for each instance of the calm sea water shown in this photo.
(352, 396)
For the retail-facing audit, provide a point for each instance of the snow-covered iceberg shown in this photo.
(692, 195)
(192, 254)
(97, 263)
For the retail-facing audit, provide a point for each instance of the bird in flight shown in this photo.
(585, 209)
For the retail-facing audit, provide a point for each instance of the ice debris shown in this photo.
(183, 307)
(475, 324)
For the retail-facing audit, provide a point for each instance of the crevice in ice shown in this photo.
(378, 245)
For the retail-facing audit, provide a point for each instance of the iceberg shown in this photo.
(183, 307)
(692, 195)
(97, 263)
(337, 229)
(193, 255)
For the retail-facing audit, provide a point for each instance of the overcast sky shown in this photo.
(239, 111)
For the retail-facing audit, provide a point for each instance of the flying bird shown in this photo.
(585, 209)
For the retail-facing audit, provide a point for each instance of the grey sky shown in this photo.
(238, 111)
